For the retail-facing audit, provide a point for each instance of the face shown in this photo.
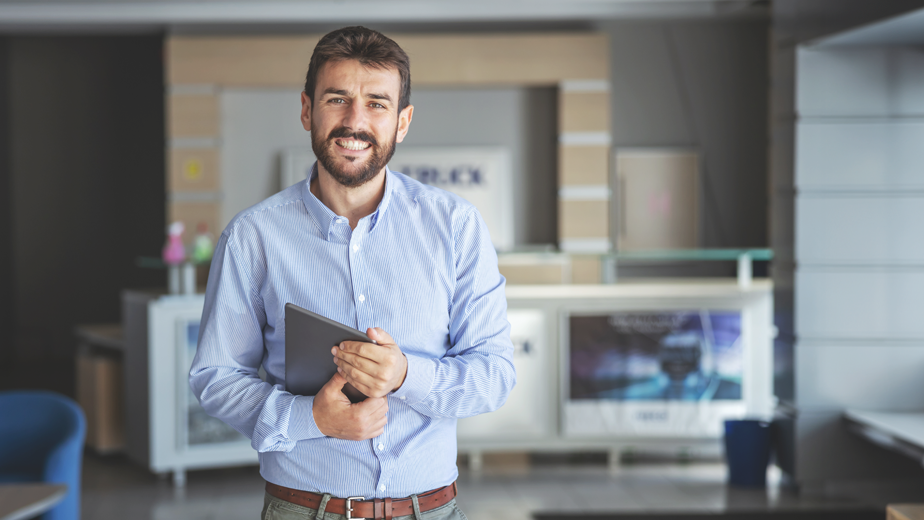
(354, 120)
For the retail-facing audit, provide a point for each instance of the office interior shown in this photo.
(795, 125)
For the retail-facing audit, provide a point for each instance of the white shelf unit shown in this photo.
(166, 429)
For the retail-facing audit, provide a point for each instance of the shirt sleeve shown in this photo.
(477, 373)
(224, 374)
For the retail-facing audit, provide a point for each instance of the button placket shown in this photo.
(358, 270)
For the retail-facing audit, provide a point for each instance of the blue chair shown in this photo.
(41, 440)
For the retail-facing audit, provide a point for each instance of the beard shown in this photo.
(360, 173)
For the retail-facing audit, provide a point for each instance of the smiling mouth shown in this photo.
(351, 144)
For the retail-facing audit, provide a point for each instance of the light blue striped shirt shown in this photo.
(421, 267)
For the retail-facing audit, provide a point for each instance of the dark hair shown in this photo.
(370, 48)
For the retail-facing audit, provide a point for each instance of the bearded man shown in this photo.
(410, 264)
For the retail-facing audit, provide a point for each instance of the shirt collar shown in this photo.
(325, 218)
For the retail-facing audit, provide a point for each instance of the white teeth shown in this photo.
(353, 145)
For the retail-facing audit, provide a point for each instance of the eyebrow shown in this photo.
(341, 92)
(384, 97)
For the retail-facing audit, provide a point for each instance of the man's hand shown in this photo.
(337, 417)
(375, 369)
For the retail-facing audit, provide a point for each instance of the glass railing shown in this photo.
(744, 258)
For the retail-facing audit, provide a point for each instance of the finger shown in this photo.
(367, 390)
(378, 428)
(363, 382)
(373, 405)
(362, 363)
(331, 389)
(380, 336)
(336, 382)
(358, 348)
(377, 420)
(351, 371)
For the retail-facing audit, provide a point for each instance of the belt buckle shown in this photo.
(349, 506)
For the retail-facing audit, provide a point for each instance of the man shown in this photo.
(411, 265)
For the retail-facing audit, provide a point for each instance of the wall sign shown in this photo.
(481, 175)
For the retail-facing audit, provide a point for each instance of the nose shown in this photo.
(355, 117)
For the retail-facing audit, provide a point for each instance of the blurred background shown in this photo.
(705, 210)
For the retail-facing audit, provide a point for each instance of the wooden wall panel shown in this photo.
(577, 61)
(583, 165)
(193, 116)
(529, 59)
(194, 170)
(584, 111)
(583, 219)
(191, 213)
(586, 269)
(533, 274)
(470, 59)
(267, 61)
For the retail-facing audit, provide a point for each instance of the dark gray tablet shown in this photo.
(309, 363)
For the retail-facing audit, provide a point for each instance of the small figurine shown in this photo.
(204, 246)
(174, 253)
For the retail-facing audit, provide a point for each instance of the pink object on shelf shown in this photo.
(174, 253)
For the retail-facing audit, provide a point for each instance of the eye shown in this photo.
(376, 105)
(336, 101)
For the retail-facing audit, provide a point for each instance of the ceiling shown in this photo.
(68, 14)
(906, 29)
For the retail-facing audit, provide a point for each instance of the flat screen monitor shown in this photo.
(670, 372)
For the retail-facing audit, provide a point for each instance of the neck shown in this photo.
(352, 203)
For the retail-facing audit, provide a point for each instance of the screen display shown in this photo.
(656, 356)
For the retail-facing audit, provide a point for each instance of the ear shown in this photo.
(404, 122)
(306, 112)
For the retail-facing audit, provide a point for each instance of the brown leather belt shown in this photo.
(357, 507)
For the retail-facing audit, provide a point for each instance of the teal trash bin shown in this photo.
(747, 452)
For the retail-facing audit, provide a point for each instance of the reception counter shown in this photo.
(645, 366)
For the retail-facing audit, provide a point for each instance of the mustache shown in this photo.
(344, 132)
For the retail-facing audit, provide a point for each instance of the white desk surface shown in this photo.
(907, 426)
(642, 288)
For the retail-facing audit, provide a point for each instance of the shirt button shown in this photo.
(382, 487)
(403, 398)
(362, 298)
(355, 248)
(381, 447)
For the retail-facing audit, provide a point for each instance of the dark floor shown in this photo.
(115, 489)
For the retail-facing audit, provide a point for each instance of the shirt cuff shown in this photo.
(419, 380)
(301, 420)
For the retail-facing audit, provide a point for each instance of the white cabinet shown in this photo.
(168, 431)
(166, 428)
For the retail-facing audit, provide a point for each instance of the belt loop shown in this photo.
(417, 514)
(387, 509)
(322, 507)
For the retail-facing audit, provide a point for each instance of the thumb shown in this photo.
(335, 384)
(379, 336)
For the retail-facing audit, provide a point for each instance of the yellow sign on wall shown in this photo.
(192, 169)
